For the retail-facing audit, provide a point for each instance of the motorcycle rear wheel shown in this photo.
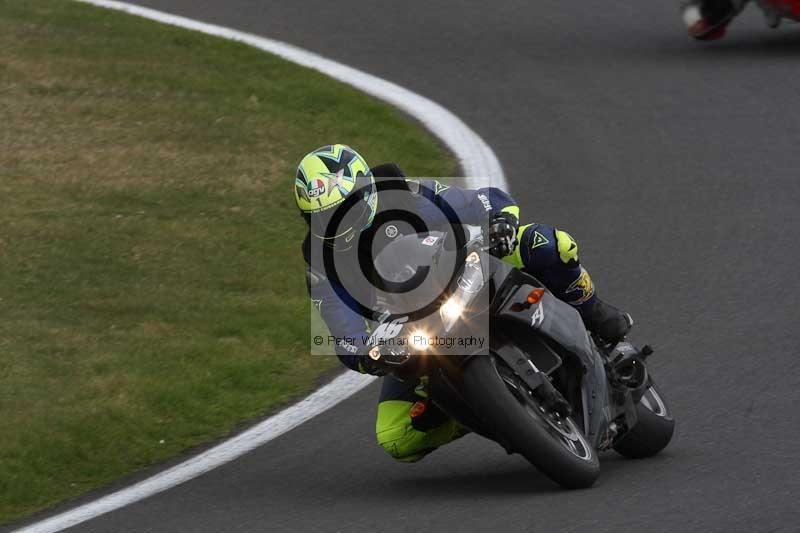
(654, 427)
(517, 418)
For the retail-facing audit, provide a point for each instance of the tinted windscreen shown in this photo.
(414, 270)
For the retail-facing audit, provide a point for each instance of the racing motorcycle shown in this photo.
(540, 385)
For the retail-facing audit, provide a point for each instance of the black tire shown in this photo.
(652, 431)
(554, 445)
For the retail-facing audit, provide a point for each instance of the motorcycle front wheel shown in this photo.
(519, 421)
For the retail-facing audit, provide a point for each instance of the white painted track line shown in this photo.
(291, 417)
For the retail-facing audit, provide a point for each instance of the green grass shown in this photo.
(152, 293)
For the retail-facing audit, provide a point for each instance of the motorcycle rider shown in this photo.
(348, 214)
(708, 20)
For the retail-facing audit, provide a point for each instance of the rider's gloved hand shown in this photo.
(502, 234)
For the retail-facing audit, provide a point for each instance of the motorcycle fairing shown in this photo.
(562, 323)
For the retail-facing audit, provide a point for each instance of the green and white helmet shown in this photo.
(335, 191)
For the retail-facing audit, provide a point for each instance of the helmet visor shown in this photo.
(339, 225)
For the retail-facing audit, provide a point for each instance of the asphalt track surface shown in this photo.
(673, 163)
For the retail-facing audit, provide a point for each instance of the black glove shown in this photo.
(502, 233)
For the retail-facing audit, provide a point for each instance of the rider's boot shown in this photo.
(606, 321)
(707, 20)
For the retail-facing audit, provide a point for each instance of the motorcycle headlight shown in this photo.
(451, 310)
(468, 285)
(418, 339)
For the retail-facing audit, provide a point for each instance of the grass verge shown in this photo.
(152, 293)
